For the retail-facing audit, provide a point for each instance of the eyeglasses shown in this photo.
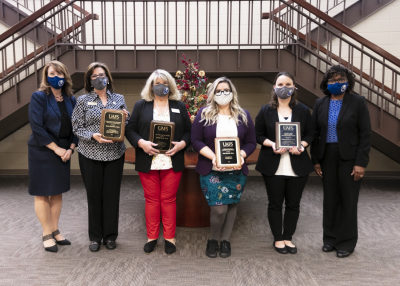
(339, 80)
(94, 76)
(224, 92)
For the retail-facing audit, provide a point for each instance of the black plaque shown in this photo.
(112, 125)
(227, 152)
(162, 133)
(287, 135)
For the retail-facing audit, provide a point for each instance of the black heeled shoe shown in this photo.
(343, 253)
(60, 242)
(169, 247)
(282, 250)
(291, 250)
(110, 244)
(53, 248)
(327, 248)
(150, 246)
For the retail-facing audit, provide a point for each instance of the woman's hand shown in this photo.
(67, 155)
(147, 147)
(241, 164)
(295, 151)
(317, 168)
(126, 113)
(178, 146)
(215, 165)
(358, 172)
(280, 151)
(98, 137)
(60, 151)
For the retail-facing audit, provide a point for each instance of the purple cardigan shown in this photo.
(203, 136)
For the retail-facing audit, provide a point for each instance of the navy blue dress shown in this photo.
(50, 122)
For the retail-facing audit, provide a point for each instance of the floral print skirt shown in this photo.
(223, 188)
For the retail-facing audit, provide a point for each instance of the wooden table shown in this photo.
(192, 209)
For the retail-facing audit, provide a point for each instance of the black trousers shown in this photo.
(102, 181)
(340, 200)
(290, 189)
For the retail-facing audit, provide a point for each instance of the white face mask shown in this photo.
(223, 99)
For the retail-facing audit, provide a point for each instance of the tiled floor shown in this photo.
(376, 260)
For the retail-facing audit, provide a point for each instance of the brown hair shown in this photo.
(274, 98)
(60, 68)
(89, 72)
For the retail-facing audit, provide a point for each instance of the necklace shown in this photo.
(158, 108)
(59, 98)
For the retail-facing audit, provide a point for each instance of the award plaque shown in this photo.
(162, 133)
(227, 152)
(112, 125)
(287, 135)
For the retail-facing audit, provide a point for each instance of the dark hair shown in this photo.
(274, 98)
(89, 72)
(335, 71)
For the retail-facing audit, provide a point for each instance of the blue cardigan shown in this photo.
(203, 136)
(45, 118)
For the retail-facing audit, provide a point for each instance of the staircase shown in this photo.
(234, 38)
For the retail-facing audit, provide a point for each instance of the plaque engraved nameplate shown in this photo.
(112, 125)
(162, 133)
(287, 135)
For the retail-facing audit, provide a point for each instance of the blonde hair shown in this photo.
(210, 112)
(60, 68)
(147, 92)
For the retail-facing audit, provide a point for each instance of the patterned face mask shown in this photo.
(223, 99)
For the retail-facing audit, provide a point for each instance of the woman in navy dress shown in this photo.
(50, 148)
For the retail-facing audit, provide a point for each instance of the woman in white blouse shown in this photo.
(159, 174)
(285, 172)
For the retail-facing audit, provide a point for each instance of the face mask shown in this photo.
(223, 99)
(160, 90)
(99, 83)
(284, 92)
(337, 88)
(56, 82)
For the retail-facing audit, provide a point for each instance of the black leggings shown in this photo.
(286, 188)
(222, 217)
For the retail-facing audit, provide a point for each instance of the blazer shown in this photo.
(203, 136)
(138, 127)
(268, 161)
(45, 118)
(353, 129)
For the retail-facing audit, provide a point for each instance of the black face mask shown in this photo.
(99, 83)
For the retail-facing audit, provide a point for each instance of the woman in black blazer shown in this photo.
(285, 172)
(340, 153)
(160, 174)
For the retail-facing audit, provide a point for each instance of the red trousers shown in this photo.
(160, 188)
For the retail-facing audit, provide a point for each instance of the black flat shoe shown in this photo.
(282, 250)
(94, 246)
(53, 248)
(212, 248)
(110, 244)
(291, 250)
(150, 246)
(169, 247)
(327, 248)
(225, 249)
(60, 242)
(343, 253)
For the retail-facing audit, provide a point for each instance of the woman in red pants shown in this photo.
(160, 174)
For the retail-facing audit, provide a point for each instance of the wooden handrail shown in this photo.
(283, 6)
(28, 20)
(335, 57)
(51, 42)
(76, 7)
(373, 47)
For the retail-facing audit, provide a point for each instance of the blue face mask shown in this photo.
(56, 82)
(337, 88)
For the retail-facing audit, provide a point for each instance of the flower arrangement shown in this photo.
(191, 83)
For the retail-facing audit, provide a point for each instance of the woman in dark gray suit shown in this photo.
(340, 153)
(50, 147)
